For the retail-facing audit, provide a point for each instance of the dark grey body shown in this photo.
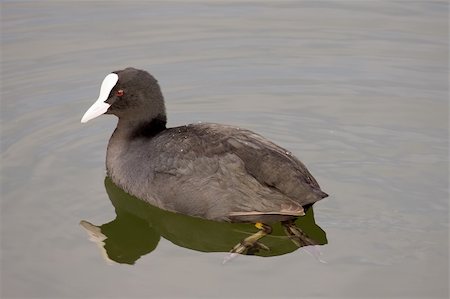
(212, 171)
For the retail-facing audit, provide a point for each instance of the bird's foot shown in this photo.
(251, 244)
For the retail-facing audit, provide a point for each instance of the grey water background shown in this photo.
(358, 90)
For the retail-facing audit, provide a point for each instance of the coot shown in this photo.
(207, 170)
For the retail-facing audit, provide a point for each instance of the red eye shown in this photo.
(119, 93)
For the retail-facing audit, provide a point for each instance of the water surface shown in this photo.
(358, 90)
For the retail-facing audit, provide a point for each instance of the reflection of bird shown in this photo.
(212, 171)
(138, 226)
(97, 237)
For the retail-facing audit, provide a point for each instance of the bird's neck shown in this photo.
(126, 134)
(131, 129)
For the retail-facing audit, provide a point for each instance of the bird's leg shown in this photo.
(297, 236)
(251, 242)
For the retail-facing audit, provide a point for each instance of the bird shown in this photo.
(207, 170)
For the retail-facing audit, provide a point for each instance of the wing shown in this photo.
(276, 167)
(224, 173)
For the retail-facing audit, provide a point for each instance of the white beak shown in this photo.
(100, 107)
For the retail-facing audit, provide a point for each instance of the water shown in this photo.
(358, 90)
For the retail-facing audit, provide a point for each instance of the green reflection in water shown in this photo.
(138, 227)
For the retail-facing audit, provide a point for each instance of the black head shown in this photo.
(130, 94)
